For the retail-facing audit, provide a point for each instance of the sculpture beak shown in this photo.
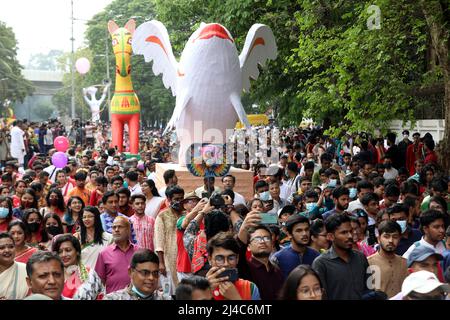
(214, 30)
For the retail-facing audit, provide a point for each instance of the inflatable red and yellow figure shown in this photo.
(125, 107)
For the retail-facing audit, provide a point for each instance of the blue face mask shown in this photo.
(332, 183)
(265, 196)
(353, 193)
(311, 206)
(403, 225)
(4, 213)
(138, 293)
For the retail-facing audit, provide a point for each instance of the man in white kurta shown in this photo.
(17, 147)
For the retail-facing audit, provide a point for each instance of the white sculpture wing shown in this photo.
(259, 46)
(152, 40)
(182, 101)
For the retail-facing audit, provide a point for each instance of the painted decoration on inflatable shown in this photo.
(207, 160)
(208, 80)
(125, 106)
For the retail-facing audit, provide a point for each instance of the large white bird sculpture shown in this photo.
(208, 80)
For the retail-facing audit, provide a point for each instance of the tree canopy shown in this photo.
(13, 86)
(353, 65)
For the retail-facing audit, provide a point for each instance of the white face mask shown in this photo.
(403, 224)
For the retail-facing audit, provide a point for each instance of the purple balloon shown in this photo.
(59, 159)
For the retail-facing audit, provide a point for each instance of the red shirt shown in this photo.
(16, 201)
(183, 261)
(431, 157)
(95, 198)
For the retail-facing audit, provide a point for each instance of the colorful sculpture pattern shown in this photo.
(125, 106)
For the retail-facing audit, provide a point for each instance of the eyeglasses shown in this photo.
(322, 235)
(147, 273)
(308, 293)
(260, 239)
(220, 259)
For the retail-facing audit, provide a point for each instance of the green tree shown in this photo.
(157, 103)
(13, 86)
(62, 99)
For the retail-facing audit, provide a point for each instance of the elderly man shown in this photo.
(144, 275)
(45, 276)
(13, 285)
(113, 261)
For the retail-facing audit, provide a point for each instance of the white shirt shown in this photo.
(48, 138)
(292, 184)
(51, 169)
(135, 190)
(440, 247)
(17, 146)
(110, 161)
(152, 176)
(238, 199)
(162, 192)
(284, 191)
(390, 174)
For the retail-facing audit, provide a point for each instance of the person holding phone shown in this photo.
(258, 268)
(223, 256)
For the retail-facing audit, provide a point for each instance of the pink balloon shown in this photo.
(82, 65)
(59, 159)
(61, 143)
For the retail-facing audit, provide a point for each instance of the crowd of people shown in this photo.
(359, 217)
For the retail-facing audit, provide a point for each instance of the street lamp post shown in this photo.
(72, 66)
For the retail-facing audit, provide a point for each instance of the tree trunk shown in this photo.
(434, 15)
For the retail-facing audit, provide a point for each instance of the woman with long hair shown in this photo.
(33, 223)
(51, 227)
(71, 218)
(20, 233)
(6, 213)
(153, 199)
(27, 201)
(75, 272)
(55, 203)
(19, 189)
(303, 283)
(91, 236)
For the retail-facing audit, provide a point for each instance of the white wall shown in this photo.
(434, 126)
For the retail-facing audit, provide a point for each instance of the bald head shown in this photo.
(121, 229)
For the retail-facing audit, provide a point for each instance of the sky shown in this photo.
(42, 25)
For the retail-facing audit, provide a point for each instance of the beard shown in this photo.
(388, 249)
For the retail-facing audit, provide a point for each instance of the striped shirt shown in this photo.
(143, 226)
(107, 222)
